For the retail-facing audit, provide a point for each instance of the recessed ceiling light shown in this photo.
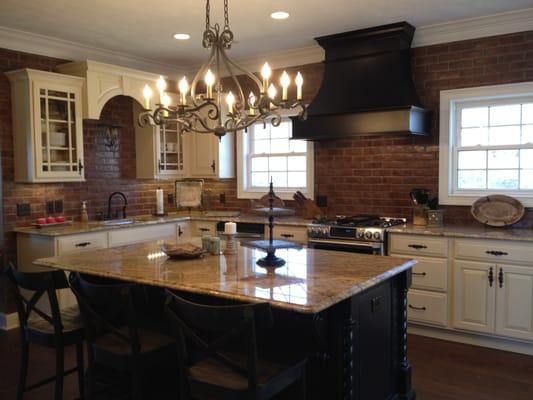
(279, 15)
(181, 36)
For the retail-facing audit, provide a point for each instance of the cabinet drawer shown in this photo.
(290, 233)
(430, 274)
(416, 244)
(77, 243)
(427, 307)
(494, 251)
(122, 237)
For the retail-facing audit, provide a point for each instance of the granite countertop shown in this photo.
(463, 231)
(311, 281)
(96, 226)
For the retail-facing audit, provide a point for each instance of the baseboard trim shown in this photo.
(513, 346)
(8, 321)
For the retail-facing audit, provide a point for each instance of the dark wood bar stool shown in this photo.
(55, 329)
(218, 352)
(114, 338)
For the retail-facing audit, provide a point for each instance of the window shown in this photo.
(486, 143)
(268, 152)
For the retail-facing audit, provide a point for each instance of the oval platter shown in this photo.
(497, 210)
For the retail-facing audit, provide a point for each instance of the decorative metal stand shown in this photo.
(271, 245)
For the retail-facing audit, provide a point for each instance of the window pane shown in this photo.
(526, 179)
(297, 163)
(279, 179)
(526, 159)
(504, 135)
(260, 179)
(259, 164)
(474, 136)
(298, 146)
(472, 159)
(527, 113)
(527, 134)
(261, 146)
(281, 131)
(474, 117)
(503, 179)
(261, 133)
(279, 146)
(297, 179)
(471, 180)
(500, 159)
(277, 163)
(505, 115)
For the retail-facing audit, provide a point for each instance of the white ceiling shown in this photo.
(144, 28)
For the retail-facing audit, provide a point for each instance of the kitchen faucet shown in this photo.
(111, 196)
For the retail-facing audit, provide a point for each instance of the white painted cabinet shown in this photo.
(514, 301)
(47, 122)
(204, 155)
(474, 296)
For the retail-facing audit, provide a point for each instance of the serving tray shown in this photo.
(53, 224)
(497, 210)
(184, 251)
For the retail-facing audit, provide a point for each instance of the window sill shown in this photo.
(283, 195)
(468, 200)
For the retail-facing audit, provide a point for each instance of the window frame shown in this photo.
(451, 103)
(244, 191)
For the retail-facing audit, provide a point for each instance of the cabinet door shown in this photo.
(514, 301)
(170, 151)
(474, 296)
(204, 155)
(58, 132)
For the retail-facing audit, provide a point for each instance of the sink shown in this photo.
(113, 222)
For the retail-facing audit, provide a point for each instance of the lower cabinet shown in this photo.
(122, 237)
(291, 233)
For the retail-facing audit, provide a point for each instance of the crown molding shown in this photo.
(32, 43)
(475, 28)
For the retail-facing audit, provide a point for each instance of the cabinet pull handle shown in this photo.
(83, 244)
(213, 166)
(159, 168)
(419, 273)
(500, 278)
(491, 276)
(497, 253)
(204, 229)
(180, 231)
(80, 166)
(287, 235)
(417, 246)
(417, 308)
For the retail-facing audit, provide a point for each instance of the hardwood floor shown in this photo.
(441, 371)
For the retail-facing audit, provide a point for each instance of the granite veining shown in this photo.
(463, 231)
(311, 281)
(95, 226)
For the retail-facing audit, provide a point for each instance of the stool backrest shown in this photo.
(37, 285)
(213, 329)
(107, 307)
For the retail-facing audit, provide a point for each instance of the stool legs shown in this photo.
(81, 367)
(60, 371)
(23, 372)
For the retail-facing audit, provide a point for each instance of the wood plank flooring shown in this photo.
(441, 371)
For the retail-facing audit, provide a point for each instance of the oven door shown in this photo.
(347, 245)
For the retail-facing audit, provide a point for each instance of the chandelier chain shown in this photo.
(226, 15)
(207, 16)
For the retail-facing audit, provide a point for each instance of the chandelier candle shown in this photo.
(299, 84)
(147, 94)
(203, 112)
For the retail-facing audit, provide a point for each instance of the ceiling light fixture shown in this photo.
(205, 112)
(181, 36)
(279, 15)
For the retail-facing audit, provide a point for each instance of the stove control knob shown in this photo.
(368, 235)
(360, 234)
(377, 235)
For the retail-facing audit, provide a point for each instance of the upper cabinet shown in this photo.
(47, 126)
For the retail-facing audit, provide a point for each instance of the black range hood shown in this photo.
(367, 87)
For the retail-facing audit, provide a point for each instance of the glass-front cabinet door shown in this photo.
(58, 132)
(170, 152)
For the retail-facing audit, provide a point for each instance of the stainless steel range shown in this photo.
(359, 233)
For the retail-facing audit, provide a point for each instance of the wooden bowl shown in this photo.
(497, 210)
(183, 251)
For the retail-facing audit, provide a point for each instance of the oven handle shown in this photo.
(374, 245)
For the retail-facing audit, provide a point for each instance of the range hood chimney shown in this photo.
(367, 87)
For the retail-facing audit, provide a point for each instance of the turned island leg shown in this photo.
(405, 389)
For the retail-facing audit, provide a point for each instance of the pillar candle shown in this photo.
(230, 228)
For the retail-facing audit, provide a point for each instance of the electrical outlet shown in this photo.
(50, 207)
(170, 198)
(322, 201)
(222, 198)
(58, 206)
(23, 210)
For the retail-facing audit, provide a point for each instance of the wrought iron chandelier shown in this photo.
(203, 112)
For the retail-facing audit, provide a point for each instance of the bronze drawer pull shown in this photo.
(497, 253)
(287, 235)
(204, 229)
(419, 273)
(500, 278)
(491, 277)
(417, 246)
(417, 308)
(83, 244)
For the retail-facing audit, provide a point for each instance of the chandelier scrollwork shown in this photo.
(204, 112)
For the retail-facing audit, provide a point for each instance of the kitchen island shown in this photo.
(348, 309)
